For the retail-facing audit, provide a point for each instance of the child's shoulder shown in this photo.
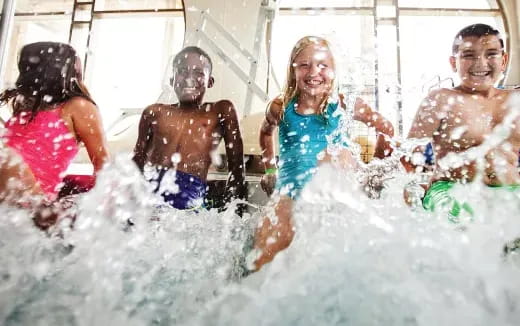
(274, 111)
(78, 105)
(444, 92)
(509, 97)
(439, 97)
(275, 107)
(219, 107)
(510, 93)
(78, 100)
(158, 109)
(223, 104)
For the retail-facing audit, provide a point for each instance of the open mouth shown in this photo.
(480, 73)
(313, 82)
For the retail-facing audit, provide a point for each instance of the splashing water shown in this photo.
(124, 262)
(500, 133)
(356, 261)
(353, 260)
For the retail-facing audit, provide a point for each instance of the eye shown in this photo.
(493, 54)
(322, 66)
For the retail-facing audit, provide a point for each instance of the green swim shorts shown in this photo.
(438, 195)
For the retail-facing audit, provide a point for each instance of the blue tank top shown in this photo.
(302, 138)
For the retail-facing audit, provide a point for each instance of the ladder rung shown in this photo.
(84, 3)
(81, 22)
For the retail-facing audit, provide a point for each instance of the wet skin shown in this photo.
(314, 72)
(463, 117)
(190, 128)
(83, 120)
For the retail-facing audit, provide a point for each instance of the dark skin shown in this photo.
(191, 128)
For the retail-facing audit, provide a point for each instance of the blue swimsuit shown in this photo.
(179, 189)
(302, 138)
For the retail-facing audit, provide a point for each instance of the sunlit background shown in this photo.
(390, 52)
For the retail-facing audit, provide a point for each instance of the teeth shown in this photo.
(314, 82)
(480, 73)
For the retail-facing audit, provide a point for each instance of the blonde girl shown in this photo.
(306, 118)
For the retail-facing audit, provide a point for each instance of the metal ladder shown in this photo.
(81, 5)
(266, 13)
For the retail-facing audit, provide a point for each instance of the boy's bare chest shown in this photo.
(184, 125)
(469, 123)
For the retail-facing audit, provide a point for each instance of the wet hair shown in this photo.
(192, 49)
(478, 30)
(47, 76)
(290, 89)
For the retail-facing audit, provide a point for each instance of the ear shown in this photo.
(453, 63)
(211, 82)
(505, 60)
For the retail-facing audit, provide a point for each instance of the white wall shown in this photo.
(239, 17)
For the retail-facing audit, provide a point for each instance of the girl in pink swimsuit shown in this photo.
(52, 113)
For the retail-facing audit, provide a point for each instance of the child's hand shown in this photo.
(363, 112)
(267, 183)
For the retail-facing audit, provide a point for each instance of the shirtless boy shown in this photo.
(175, 141)
(462, 117)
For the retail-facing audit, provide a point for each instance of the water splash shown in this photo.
(124, 261)
(353, 261)
(356, 261)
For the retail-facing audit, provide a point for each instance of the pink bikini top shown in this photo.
(45, 144)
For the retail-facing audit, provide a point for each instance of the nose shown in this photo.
(481, 61)
(315, 69)
(190, 81)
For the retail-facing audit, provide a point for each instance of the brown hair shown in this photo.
(478, 30)
(47, 76)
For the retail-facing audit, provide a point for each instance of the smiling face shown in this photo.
(314, 70)
(191, 78)
(479, 62)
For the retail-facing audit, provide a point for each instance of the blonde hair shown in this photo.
(290, 89)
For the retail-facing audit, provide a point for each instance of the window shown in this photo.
(129, 43)
(47, 6)
(391, 52)
(137, 4)
(450, 4)
(129, 59)
(326, 3)
(33, 29)
(418, 50)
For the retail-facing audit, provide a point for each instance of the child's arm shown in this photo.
(383, 147)
(427, 118)
(234, 148)
(364, 113)
(144, 137)
(426, 121)
(88, 127)
(269, 125)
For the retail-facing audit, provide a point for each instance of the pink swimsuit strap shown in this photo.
(45, 144)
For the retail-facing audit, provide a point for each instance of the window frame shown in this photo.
(100, 14)
(399, 11)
